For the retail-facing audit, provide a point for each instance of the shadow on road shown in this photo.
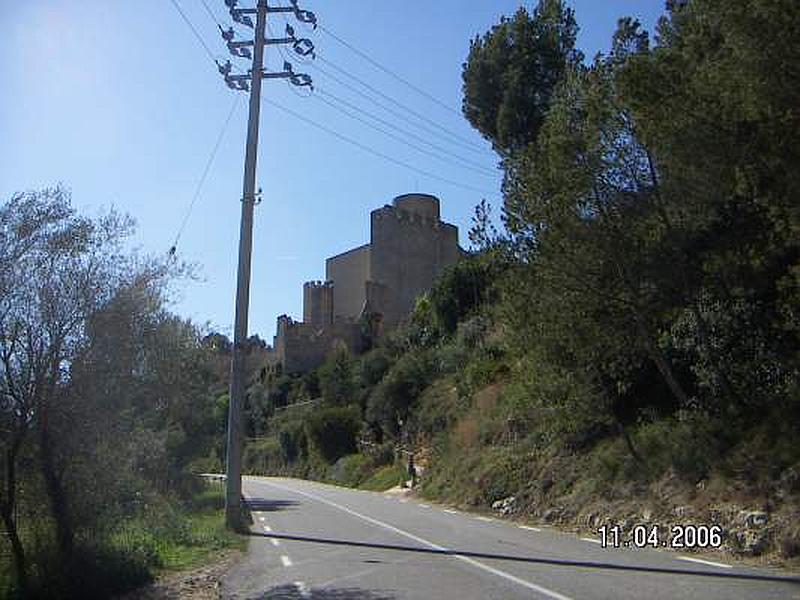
(292, 592)
(264, 505)
(527, 559)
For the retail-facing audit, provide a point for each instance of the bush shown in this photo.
(263, 457)
(332, 432)
(337, 380)
(293, 442)
(350, 470)
(399, 389)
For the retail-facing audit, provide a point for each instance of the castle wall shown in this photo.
(409, 249)
(303, 347)
(424, 205)
(318, 303)
(349, 272)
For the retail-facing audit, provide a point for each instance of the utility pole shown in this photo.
(233, 483)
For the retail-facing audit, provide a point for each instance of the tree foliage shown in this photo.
(512, 71)
(102, 391)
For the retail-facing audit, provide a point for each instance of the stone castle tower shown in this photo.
(380, 281)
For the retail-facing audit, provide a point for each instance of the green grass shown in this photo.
(384, 478)
(182, 538)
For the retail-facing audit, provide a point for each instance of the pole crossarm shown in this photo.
(304, 16)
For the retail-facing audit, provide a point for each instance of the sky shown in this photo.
(120, 103)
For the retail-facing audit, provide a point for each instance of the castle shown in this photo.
(371, 288)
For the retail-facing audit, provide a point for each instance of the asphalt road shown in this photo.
(320, 542)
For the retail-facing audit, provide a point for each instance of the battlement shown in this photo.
(317, 284)
(318, 303)
(407, 217)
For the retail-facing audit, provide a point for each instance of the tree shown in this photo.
(337, 378)
(56, 269)
(716, 104)
(511, 73)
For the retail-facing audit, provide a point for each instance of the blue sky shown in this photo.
(120, 103)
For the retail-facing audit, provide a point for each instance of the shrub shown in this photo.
(350, 470)
(332, 432)
(293, 442)
(397, 392)
(337, 380)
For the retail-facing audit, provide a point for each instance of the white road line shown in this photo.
(478, 565)
(274, 542)
(451, 511)
(529, 528)
(487, 519)
(425, 505)
(287, 562)
(705, 562)
(594, 541)
(305, 592)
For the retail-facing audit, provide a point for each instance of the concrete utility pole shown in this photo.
(233, 492)
(233, 484)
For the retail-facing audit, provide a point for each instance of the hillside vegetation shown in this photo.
(626, 346)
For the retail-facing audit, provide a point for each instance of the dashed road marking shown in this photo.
(451, 511)
(287, 562)
(705, 562)
(594, 541)
(470, 561)
(529, 528)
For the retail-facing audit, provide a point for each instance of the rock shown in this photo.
(506, 506)
(750, 543)
(683, 512)
(551, 514)
(647, 514)
(752, 518)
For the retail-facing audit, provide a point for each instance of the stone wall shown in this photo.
(409, 247)
(318, 303)
(301, 347)
(349, 271)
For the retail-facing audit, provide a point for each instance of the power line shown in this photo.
(194, 31)
(389, 72)
(393, 101)
(373, 151)
(210, 13)
(207, 168)
(456, 139)
(448, 157)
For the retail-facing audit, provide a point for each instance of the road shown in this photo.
(320, 542)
